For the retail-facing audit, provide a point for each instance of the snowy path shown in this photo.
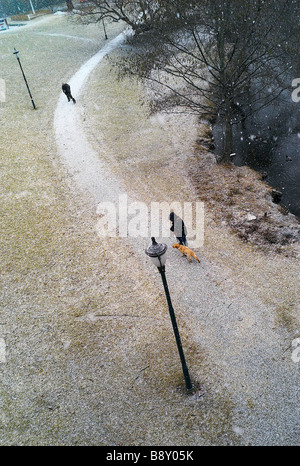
(79, 157)
(236, 333)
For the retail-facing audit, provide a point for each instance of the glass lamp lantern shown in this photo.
(157, 253)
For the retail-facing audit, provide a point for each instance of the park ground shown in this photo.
(90, 358)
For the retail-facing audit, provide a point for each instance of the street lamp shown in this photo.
(157, 253)
(17, 56)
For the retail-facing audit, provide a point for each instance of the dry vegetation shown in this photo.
(240, 199)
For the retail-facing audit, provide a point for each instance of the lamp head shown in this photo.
(157, 253)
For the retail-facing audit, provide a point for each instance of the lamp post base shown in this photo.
(188, 383)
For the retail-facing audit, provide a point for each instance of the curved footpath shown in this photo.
(236, 336)
(80, 159)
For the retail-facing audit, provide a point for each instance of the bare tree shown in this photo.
(70, 5)
(226, 59)
(223, 59)
(140, 15)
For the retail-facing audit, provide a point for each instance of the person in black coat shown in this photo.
(179, 228)
(67, 90)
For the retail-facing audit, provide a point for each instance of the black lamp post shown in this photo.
(157, 253)
(16, 53)
(104, 29)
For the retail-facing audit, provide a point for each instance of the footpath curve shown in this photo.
(80, 159)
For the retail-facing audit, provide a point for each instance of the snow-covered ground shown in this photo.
(90, 356)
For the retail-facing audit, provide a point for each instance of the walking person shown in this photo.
(67, 90)
(179, 228)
